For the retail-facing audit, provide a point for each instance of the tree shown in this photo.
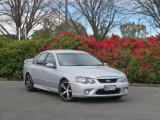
(133, 30)
(100, 14)
(55, 17)
(22, 15)
(51, 21)
(42, 34)
(150, 8)
(73, 26)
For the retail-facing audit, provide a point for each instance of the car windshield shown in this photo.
(78, 59)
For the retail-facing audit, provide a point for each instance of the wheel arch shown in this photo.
(71, 98)
(62, 79)
(27, 73)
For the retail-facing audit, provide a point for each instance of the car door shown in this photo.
(38, 69)
(51, 75)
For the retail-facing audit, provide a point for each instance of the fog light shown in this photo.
(87, 91)
(125, 90)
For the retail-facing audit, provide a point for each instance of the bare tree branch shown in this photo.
(25, 14)
(150, 8)
(100, 14)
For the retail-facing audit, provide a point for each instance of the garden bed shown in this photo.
(144, 85)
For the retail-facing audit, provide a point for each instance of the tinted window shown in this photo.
(41, 59)
(50, 59)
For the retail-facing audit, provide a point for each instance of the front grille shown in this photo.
(107, 80)
(103, 92)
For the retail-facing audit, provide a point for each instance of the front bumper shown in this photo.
(97, 90)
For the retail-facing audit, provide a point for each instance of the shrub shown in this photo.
(63, 41)
(138, 58)
(13, 54)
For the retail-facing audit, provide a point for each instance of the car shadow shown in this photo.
(87, 100)
(101, 100)
(46, 92)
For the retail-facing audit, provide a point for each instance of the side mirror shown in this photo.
(50, 65)
(105, 64)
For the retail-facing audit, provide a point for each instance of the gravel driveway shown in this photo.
(16, 103)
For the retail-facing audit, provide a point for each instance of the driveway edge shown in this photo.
(144, 85)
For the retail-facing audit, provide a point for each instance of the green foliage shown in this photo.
(154, 74)
(72, 26)
(44, 34)
(13, 54)
(158, 37)
(134, 72)
(141, 64)
(63, 41)
(133, 30)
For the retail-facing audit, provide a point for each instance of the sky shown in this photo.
(152, 31)
(116, 30)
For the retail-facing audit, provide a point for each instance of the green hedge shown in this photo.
(141, 68)
(13, 54)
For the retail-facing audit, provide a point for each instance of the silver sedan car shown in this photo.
(73, 74)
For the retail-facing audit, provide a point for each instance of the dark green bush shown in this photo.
(13, 54)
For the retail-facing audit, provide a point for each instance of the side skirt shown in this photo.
(45, 88)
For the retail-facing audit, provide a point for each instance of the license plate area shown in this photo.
(109, 87)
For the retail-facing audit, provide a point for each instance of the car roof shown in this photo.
(64, 51)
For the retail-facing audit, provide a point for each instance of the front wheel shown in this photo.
(65, 91)
(29, 83)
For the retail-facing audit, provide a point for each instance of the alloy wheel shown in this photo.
(29, 83)
(65, 91)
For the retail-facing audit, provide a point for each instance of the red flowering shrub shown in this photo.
(138, 58)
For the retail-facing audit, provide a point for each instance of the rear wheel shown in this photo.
(65, 91)
(29, 83)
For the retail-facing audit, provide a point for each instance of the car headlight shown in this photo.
(85, 80)
(123, 80)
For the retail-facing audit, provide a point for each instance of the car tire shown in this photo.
(65, 91)
(29, 84)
